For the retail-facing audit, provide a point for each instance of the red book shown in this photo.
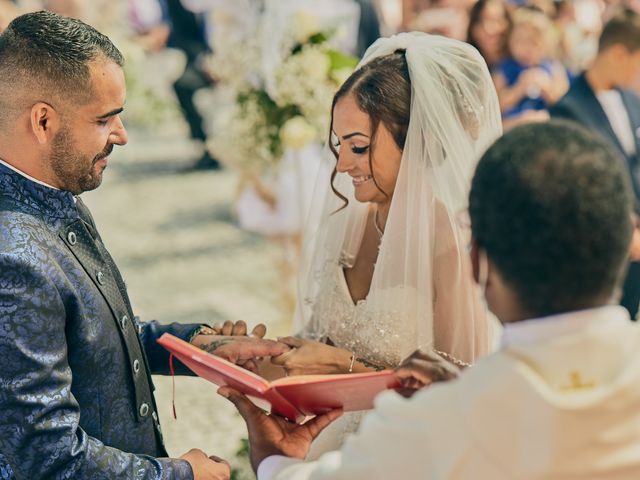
(294, 397)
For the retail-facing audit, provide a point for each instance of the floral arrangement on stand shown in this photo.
(289, 110)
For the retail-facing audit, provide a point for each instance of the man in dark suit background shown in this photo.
(600, 99)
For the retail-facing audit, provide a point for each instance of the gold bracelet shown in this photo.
(353, 361)
(456, 361)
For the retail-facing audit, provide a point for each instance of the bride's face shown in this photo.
(352, 140)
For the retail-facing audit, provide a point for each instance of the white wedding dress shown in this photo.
(358, 327)
(422, 294)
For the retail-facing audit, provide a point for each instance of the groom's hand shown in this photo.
(241, 350)
(233, 329)
(273, 435)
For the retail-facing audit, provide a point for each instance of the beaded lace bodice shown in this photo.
(372, 328)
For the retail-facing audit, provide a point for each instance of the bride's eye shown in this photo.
(359, 150)
(337, 146)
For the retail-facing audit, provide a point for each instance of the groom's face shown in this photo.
(80, 149)
(373, 172)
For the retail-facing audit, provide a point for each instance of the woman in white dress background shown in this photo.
(385, 268)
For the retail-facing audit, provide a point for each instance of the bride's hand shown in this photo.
(421, 369)
(308, 357)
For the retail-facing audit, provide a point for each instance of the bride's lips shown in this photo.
(357, 181)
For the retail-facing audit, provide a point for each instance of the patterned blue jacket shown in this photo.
(76, 397)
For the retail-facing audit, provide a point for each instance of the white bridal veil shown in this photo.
(422, 276)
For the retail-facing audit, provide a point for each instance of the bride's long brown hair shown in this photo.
(382, 90)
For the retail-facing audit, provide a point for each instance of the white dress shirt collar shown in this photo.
(538, 329)
(28, 177)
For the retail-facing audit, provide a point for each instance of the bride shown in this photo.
(385, 271)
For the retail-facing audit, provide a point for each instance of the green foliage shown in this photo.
(341, 60)
(274, 116)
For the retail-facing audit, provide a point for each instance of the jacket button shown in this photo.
(100, 277)
(144, 410)
(123, 321)
(71, 238)
(136, 366)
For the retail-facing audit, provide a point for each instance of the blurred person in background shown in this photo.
(448, 18)
(369, 27)
(8, 11)
(68, 8)
(579, 23)
(188, 33)
(530, 79)
(149, 21)
(410, 10)
(489, 27)
(601, 100)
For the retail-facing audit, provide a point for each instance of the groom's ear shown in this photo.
(475, 260)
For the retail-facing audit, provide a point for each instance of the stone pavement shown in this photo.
(174, 238)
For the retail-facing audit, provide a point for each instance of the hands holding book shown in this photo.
(274, 435)
(270, 434)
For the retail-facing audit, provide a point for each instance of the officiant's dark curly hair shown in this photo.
(551, 204)
(382, 90)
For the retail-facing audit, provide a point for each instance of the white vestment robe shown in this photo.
(559, 400)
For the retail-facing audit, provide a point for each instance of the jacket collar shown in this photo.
(25, 193)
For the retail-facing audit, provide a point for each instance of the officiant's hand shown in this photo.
(308, 357)
(273, 435)
(421, 369)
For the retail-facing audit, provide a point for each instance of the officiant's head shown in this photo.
(62, 89)
(551, 217)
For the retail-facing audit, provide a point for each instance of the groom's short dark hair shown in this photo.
(551, 204)
(49, 55)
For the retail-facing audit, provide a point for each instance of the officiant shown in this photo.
(551, 221)
(76, 396)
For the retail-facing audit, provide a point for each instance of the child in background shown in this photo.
(530, 79)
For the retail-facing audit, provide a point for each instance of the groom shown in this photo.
(550, 210)
(76, 396)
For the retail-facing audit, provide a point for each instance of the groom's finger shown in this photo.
(249, 350)
(292, 341)
(239, 329)
(227, 328)
(259, 331)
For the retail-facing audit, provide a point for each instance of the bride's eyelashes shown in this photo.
(354, 149)
(360, 150)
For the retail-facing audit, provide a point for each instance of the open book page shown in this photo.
(317, 394)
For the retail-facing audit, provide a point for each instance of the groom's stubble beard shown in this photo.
(76, 172)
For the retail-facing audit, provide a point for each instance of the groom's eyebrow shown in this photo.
(347, 137)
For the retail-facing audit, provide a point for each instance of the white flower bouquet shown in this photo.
(289, 110)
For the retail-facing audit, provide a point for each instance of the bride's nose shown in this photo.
(346, 162)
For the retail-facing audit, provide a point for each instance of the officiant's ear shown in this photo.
(475, 264)
(44, 121)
